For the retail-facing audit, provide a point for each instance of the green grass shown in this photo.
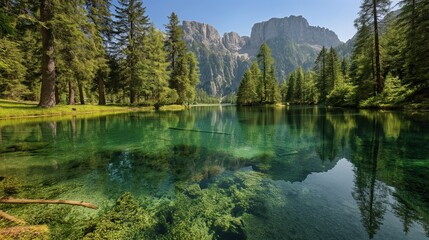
(12, 109)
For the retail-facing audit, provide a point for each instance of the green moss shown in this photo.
(126, 220)
(11, 185)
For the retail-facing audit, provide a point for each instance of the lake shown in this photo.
(223, 173)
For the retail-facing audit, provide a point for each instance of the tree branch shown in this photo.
(43, 201)
(12, 218)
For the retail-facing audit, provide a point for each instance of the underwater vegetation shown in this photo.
(214, 210)
(208, 200)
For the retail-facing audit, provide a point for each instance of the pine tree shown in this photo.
(183, 66)
(310, 91)
(246, 94)
(283, 90)
(154, 69)
(321, 72)
(362, 68)
(131, 25)
(290, 96)
(372, 11)
(257, 77)
(176, 49)
(394, 45)
(99, 13)
(268, 81)
(299, 86)
(414, 21)
(193, 76)
(78, 48)
(12, 70)
(334, 74)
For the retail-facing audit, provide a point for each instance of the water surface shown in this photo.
(268, 173)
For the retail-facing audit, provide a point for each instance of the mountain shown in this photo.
(345, 50)
(221, 64)
(223, 60)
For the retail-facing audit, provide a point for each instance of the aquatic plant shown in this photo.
(10, 185)
(126, 220)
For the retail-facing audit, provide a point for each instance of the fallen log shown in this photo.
(201, 131)
(43, 201)
(12, 218)
(25, 232)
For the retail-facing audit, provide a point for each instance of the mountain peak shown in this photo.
(294, 28)
(202, 33)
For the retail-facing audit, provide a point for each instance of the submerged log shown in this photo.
(195, 130)
(43, 201)
(11, 218)
(25, 232)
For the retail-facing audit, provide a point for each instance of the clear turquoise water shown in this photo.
(284, 173)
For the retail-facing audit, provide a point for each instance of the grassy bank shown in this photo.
(12, 109)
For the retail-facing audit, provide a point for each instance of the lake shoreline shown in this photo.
(10, 110)
(19, 110)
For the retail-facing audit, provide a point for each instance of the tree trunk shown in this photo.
(132, 95)
(57, 95)
(81, 97)
(379, 82)
(72, 99)
(47, 93)
(101, 93)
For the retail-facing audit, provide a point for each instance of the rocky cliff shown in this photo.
(221, 64)
(295, 29)
(223, 60)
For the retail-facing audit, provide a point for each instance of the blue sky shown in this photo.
(240, 15)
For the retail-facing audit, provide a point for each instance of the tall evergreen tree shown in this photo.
(246, 94)
(183, 66)
(99, 13)
(299, 86)
(176, 49)
(154, 69)
(257, 77)
(371, 12)
(193, 76)
(12, 70)
(290, 95)
(321, 72)
(334, 74)
(77, 53)
(310, 92)
(268, 81)
(414, 22)
(283, 90)
(131, 26)
(362, 68)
